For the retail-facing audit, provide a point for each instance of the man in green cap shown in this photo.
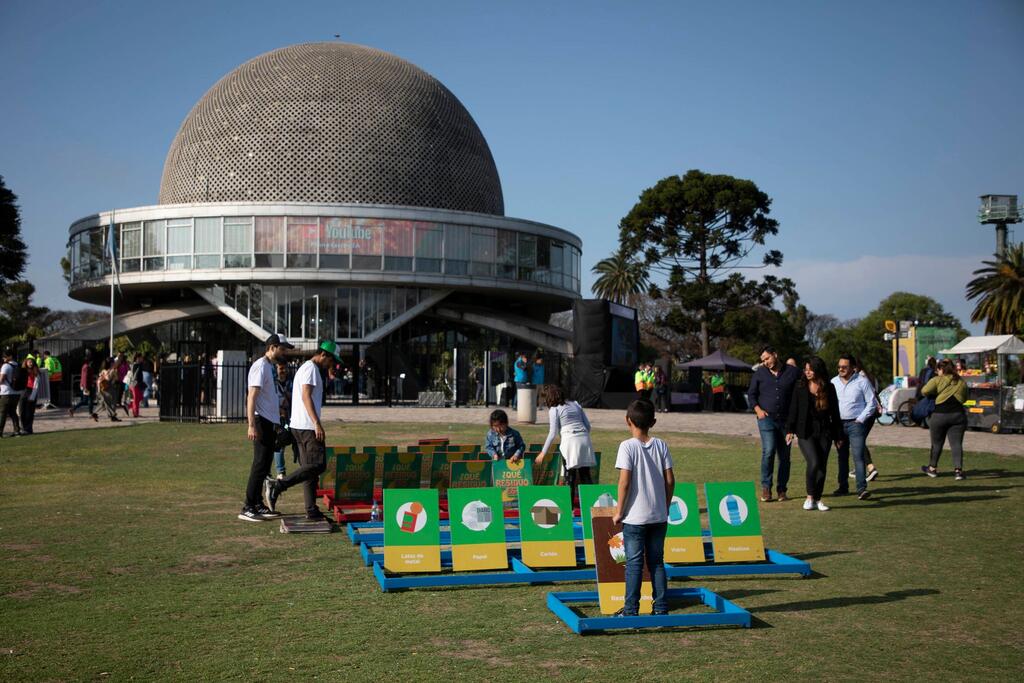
(307, 397)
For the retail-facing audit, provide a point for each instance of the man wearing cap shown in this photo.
(307, 397)
(264, 413)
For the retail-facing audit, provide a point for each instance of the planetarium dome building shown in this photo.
(330, 190)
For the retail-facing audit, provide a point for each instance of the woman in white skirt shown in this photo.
(568, 418)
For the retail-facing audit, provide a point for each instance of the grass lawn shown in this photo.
(122, 558)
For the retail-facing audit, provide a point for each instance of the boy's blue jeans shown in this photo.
(644, 541)
(279, 462)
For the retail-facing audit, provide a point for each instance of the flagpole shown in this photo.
(113, 276)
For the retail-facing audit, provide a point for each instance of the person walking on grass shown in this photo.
(948, 421)
(646, 482)
(106, 380)
(872, 471)
(771, 388)
(262, 410)
(86, 382)
(10, 393)
(856, 407)
(308, 432)
(27, 400)
(813, 420)
(136, 385)
(568, 419)
(55, 374)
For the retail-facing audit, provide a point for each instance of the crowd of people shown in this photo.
(819, 411)
(32, 383)
(116, 384)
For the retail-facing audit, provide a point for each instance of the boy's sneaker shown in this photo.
(271, 492)
(249, 515)
(841, 492)
(266, 513)
(808, 504)
(315, 515)
(872, 474)
(929, 471)
(822, 507)
(853, 474)
(864, 495)
(665, 613)
(622, 613)
(959, 475)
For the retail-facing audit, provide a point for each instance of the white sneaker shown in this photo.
(822, 507)
(853, 474)
(808, 504)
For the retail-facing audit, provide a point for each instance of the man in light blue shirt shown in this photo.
(856, 406)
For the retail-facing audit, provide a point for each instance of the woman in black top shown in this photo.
(814, 420)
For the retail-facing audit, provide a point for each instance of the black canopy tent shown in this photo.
(719, 360)
(735, 390)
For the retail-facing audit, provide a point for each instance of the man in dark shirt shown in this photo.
(771, 388)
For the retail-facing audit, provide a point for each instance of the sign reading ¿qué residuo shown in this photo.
(735, 521)
(545, 526)
(354, 474)
(477, 528)
(509, 476)
(412, 534)
(469, 474)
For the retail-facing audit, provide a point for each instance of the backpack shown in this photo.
(20, 378)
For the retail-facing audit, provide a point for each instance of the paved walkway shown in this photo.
(732, 424)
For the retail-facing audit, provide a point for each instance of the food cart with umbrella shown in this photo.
(994, 372)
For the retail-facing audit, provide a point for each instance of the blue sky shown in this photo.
(874, 126)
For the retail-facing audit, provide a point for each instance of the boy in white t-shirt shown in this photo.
(646, 482)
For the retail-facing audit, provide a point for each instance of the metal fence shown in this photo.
(203, 392)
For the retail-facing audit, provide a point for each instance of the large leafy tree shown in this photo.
(19, 319)
(864, 337)
(696, 232)
(999, 289)
(12, 248)
(621, 278)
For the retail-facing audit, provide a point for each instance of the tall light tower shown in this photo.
(1000, 210)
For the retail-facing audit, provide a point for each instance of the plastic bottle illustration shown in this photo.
(733, 508)
(375, 512)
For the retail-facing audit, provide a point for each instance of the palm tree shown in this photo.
(999, 289)
(620, 278)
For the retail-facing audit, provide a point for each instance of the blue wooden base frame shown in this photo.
(726, 613)
(778, 563)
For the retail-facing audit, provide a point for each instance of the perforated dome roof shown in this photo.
(331, 122)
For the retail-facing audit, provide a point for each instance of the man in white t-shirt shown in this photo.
(263, 411)
(9, 395)
(307, 397)
(646, 482)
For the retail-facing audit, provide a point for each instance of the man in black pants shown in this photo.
(307, 398)
(263, 409)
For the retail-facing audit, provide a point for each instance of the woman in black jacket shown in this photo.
(814, 421)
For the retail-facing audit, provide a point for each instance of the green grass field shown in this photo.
(122, 558)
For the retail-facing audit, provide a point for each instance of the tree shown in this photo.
(999, 289)
(864, 339)
(697, 231)
(19, 319)
(817, 326)
(620, 278)
(12, 248)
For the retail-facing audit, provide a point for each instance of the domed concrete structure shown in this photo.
(331, 122)
(329, 191)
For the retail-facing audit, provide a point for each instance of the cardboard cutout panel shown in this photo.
(412, 535)
(610, 552)
(735, 522)
(478, 529)
(684, 542)
(545, 526)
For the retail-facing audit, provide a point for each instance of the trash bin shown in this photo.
(526, 412)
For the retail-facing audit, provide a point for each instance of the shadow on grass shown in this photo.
(971, 474)
(930, 490)
(849, 601)
(740, 593)
(880, 501)
(820, 553)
